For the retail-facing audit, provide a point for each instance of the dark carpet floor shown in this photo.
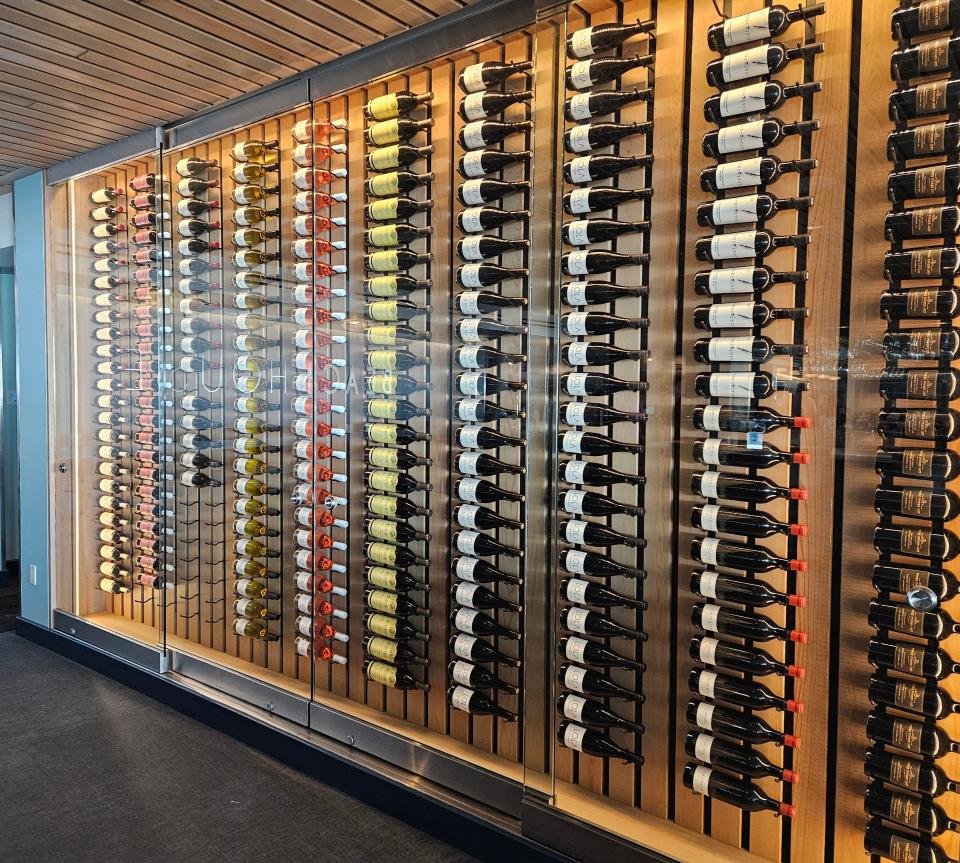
(93, 772)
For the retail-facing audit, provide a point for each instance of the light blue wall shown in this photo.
(30, 290)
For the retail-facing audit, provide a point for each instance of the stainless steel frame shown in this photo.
(112, 643)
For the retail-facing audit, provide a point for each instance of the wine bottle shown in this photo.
(752, 695)
(581, 562)
(749, 592)
(578, 354)
(474, 677)
(598, 293)
(586, 414)
(922, 18)
(742, 349)
(476, 517)
(587, 682)
(907, 772)
(586, 169)
(933, 262)
(596, 383)
(736, 657)
(587, 74)
(578, 502)
(896, 845)
(715, 484)
(393, 482)
(392, 433)
(475, 649)
(711, 617)
(742, 280)
(924, 58)
(480, 76)
(719, 519)
(919, 303)
(589, 593)
(480, 105)
(740, 793)
(575, 736)
(394, 652)
(579, 532)
(485, 275)
(393, 628)
(395, 104)
(395, 183)
(761, 97)
(745, 244)
(935, 221)
(919, 424)
(898, 617)
(584, 106)
(480, 572)
(910, 658)
(916, 503)
(395, 156)
(926, 699)
(476, 596)
(916, 812)
(758, 171)
(733, 723)
(474, 490)
(762, 24)
(899, 579)
(931, 97)
(474, 220)
(481, 464)
(593, 40)
(754, 62)
(487, 133)
(746, 208)
(473, 193)
(478, 248)
(476, 703)
(390, 675)
(715, 451)
(744, 385)
(485, 357)
(590, 136)
(474, 622)
(590, 473)
(586, 231)
(586, 712)
(475, 544)
(733, 757)
(395, 131)
(598, 199)
(734, 555)
(473, 410)
(591, 443)
(586, 652)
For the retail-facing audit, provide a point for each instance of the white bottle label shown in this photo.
(576, 322)
(747, 28)
(467, 516)
(731, 350)
(571, 441)
(576, 620)
(708, 483)
(577, 385)
(701, 776)
(461, 672)
(468, 357)
(735, 175)
(473, 136)
(466, 542)
(732, 384)
(573, 501)
(463, 645)
(577, 589)
(708, 580)
(735, 280)
(467, 490)
(465, 567)
(573, 678)
(574, 532)
(469, 330)
(744, 100)
(702, 748)
(711, 451)
(575, 648)
(577, 353)
(573, 737)
(461, 698)
(746, 64)
(705, 715)
(580, 44)
(580, 76)
(304, 603)
(470, 220)
(577, 232)
(473, 164)
(464, 618)
(708, 550)
(472, 106)
(472, 384)
(708, 651)
(573, 704)
(470, 276)
(735, 211)
(708, 520)
(580, 106)
(580, 138)
(706, 683)
(743, 136)
(473, 78)
(467, 410)
(741, 244)
(580, 170)
(574, 561)
(469, 302)
(576, 293)
(574, 414)
(708, 617)
(738, 315)
(468, 436)
(464, 594)
(573, 470)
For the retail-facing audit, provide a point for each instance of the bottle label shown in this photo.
(915, 541)
(577, 232)
(579, 201)
(908, 659)
(387, 132)
(904, 810)
(573, 501)
(573, 705)
(580, 106)
(908, 696)
(581, 44)
(908, 620)
(464, 618)
(469, 357)
(746, 28)
(463, 645)
(741, 244)
(925, 263)
(382, 648)
(703, 747)
(577, 353)
(467, 516)
(380, 552)
(469, 410)
(382, 600)
(708, 580)
(705, 715)
(470, 219)
(464, 594)
(933, 56)
(460, 673)
(465, 567)
(734, 175)
(709, 481)
(574, 561)
(711, 417)
(573, 470)
(469, 330)
(746, 64)
(731, 349)
(575, 413)
(576, 322)
(733, 384)
(577, 386)
(575, 648)
(380, 528)
(580, 75)
(922, 384)
(571, 442)
(472, 192)
(577, 590)
(381, 672)
(472, 384)
(735, 211)
(905, 772)
(930, 182)
(580, 169)
(580, 139)
(469, 302)
(911, 578)
(709, 616)
(710, 452)
(472, 106)
(903, 850)
(932, 97)
(920, 424)
(926, 221)
(573, 737)
(469, 436)
(473, 78)
(706, 682)
(929, 139)
(574, 532)
(708, 550)
(744, 100)
(473, 140)
(933, 15)
(708, 651)
(576, 620)
(467, 541)
(916, 501)
(467, 490)
(380, 624)
(469, 276)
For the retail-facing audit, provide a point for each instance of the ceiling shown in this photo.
(76, 74)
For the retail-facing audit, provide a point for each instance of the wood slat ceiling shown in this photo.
(77, 74)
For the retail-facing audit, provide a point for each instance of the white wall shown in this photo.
(6, 220)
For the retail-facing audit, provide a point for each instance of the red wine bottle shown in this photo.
(480, 76)
(925, 58)
(598, 199)
(916, 812)
(715, 451)
(475, 649)
(586, 169)
(762, 97)
(755, 62)
(762, 24)
(474, 677)
(474, 490)
(746, 208)
(898, 617)
(587, 622)
(579, 354)
(575, 736)
(931, 97)
(716, 552)
(926, 699)
(745, 244)
(480, 572)
(921, 738)
(919, 383)
(591, 443)
(920, 303)
(919, 424)
(742, 349)
(598, 323)
(579, 532)
(487, 133)
(711, 617)
(589, 593)
(600, 566)
(587, 74)
(597, 384)
(737, 792)
(916, 503)
(476, 703)
(745, 385)
(896, 845)
(917, 463)
(910, 658)
(742, 280)
(758, 171)
(472, 595)
(586, 414)
(587, 293)
(587, 712)
(758, 525)
(586, 652)
(907, 772)
(737, 419)
(583, 232)
(602, 37)
(731, 588)
(733, 757)
(474, 622)
(737, 657)
(475, 544)
(713, 484)
(483, 104)
(587, 682)
(899, 579)
(590, 473)
(590, 136)
(733, 723)
(733, 690)
(584, 106)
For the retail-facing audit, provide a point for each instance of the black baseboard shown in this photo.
(462, 830)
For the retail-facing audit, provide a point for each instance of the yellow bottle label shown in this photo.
(383, 480)
(381, 576)
(384, 384)
(249, 466)
(382, 360)
(383, 235)
(383, 310)
(384, 409)
(380, 552)
(384, 158)
(384, 185)
(382, 433)
(384, 262)
(383, 648)
(383, 107)
(383, 456)
(381, 624)
(384, 334)
(383, 286)
(382, 600)
(380, 528)
(380, 672)
(383, 210)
